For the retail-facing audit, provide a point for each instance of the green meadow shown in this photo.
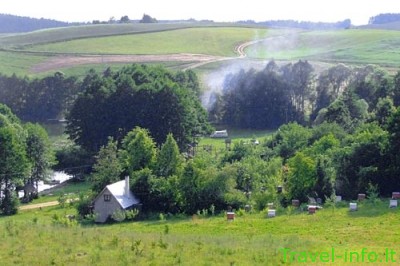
(89, 31)
(18, 63)
(211, 41)
(204, 239)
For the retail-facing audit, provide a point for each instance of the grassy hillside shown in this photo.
(349, 46)
(354, 46)
(91, 31)
(212, 41)
(252, 239)
(18, 63)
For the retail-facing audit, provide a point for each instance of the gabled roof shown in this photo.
(117, 189)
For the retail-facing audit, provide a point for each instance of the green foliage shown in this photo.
(38, 99)
(384, 109)
(131, 214)
(14, 166)
(200, 187)
(263, 99)
(363, 160)
(139, 150)
(39, 152)
(239, 151)
(290, 138)
(301, 178)
(84, 205)
(373, 193)
(107, 168)
(62, 200)
(9, 204)
(138, 95)
(118, 215)
(169, 159)
(63, 221)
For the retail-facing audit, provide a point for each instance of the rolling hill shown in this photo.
(190, 45)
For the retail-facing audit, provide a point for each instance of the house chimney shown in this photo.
(126, 192)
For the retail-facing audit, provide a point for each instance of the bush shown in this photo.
(131, 214)
(62, 200)
(84, 205)
(9, 205)
(118, 216)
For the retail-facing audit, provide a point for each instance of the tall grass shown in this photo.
(251, 239)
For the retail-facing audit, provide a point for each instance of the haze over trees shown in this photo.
(294, 92)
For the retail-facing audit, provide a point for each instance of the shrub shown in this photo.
(131, 214)
(84, 206)
(118, 215)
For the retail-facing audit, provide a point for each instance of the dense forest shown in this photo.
(151, 97)
(293, 92)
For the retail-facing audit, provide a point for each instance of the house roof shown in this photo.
(118, 191)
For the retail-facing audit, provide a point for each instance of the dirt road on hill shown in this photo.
(39, 205)
(190, 60)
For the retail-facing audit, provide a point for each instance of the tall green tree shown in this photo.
(169, 159)
(39, 153)
(14, 166)
(302, 177)
(107, 168)
(396, 89)
(139, 150)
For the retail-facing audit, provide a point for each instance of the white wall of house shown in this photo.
(105, 205)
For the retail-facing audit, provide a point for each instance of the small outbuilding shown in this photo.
(112, 198)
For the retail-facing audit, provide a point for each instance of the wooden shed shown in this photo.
(116, 196)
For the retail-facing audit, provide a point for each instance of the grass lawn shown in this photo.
(18, 63)
(236, 135)
(251, 239)
(70, 189)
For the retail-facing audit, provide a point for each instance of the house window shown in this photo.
(107, 197)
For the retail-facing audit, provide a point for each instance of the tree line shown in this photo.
(384, 18)
(11, 23)
(39, 100)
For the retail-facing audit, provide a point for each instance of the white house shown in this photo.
(114, 197)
